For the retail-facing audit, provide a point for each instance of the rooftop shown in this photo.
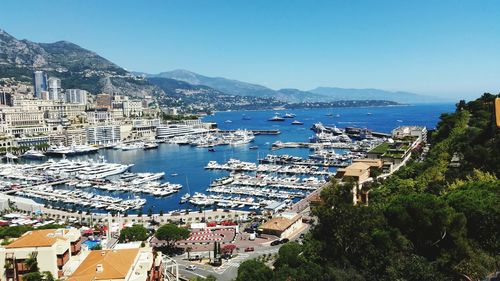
(38, 238)
(280, 223)
(105, 265)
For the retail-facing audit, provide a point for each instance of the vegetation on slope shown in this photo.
(430, 221)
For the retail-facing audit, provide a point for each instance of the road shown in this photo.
(228, 270)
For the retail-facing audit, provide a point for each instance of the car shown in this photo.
(191, 267)
(275, 242)
(302, 235)
(284, 240)
(249, 249)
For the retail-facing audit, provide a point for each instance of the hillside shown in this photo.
(434, 219)
(290, 95)
(334, 93)
(228, 86)
(196, 98)
(75, 66)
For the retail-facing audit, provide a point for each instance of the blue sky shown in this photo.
(445, 48)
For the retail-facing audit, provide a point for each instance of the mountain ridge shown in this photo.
(292, 95)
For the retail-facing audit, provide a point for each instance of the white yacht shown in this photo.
(33, 154)
(147, 177)
(60, 150)
(132, 146)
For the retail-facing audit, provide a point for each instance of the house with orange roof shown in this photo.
(135, 264)
(52, 249)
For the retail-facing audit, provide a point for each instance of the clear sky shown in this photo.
(440, 47)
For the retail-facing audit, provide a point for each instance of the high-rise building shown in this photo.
(39, 82)
(77, 96)
(54, 86)
(5, 99)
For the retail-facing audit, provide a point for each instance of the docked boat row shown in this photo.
(238, 165)
(81, 198)
(212, 139)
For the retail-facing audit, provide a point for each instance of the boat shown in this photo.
(296, 122)
(276, 118)
(329, 114)
(33, 154)
(132, 146)
(254, 147)
(10, 156)
(211, 150)
(174, 174)
(150, 145)
(368, 113)
(185, 198)
(228, 121)
(60, 150)
(289, 115)
(246, 118)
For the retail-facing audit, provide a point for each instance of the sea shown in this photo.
(185, 164)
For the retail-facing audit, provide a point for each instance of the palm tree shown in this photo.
(31, 262)
(188, 251)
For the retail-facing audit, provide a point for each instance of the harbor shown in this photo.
(177, 174)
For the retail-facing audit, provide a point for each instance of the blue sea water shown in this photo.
(188, 162)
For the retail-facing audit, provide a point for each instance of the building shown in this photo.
(497, 112)
(358, 172)
(103, 134)
(132, 108)
(52, 248)
(418, 133)
(137, 264)
(104, 101)
(6, 99)
(77, 96)
(283, 225)
(54, 88)
(39, 83)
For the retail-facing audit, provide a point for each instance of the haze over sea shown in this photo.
(189, 162)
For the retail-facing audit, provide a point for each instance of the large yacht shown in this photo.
(33, 154)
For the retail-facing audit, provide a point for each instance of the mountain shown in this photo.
(289, 95)
(196, 98)
(228, 86)
(75, 66)
(333, 93)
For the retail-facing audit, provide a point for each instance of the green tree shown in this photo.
(171, 233)
(254, 270)
(136, 232)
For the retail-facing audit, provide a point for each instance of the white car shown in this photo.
(191, 267)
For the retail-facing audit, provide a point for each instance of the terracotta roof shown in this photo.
(36, 238)
(112, 264)
(279, 223)
(356, 170)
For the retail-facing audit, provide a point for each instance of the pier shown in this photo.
(58, 182)
(340, 145)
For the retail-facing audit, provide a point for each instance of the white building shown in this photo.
(103, 134)
(76, 96)
(132, 108)
(410, 131)
(54, 87)
(52, 249)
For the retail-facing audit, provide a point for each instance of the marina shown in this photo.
(264, 175)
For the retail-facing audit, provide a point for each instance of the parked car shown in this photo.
(275, 242)
(191, 267)
(249, 249)
(284, 240)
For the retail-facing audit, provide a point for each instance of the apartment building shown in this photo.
(137, 264)
(52, 249)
